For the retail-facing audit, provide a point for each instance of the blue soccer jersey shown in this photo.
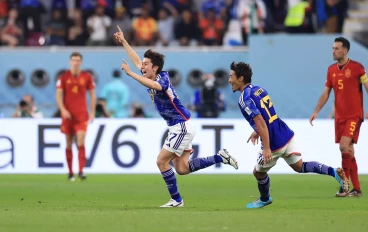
(167, 102)
(255, 100)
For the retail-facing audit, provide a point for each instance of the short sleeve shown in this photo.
(90, 83)
(328, 83)
(164, 82)
(362, 74)
(60, 83)
(248, 105)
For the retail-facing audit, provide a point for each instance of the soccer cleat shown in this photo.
(259, 204)
(343, 181)
(227, 158)
(341, 193)
(82, 177)
(172, 203)
(355, 193)
(71, 177)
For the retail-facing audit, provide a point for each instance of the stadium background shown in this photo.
(291, 66)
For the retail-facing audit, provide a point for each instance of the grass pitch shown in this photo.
(212, 203)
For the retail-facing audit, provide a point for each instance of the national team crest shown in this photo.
(68, 81)
(348, 73)
(81, 81)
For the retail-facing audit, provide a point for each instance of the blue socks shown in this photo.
(170, 179)
(317, 168)
(264, 188)
(200, 163)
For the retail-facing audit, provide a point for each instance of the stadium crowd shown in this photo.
(162, 22)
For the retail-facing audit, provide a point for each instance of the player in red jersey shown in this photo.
(346, 78)
(71, 91)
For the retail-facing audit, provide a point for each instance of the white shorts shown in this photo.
(180, 138)
(289, 153)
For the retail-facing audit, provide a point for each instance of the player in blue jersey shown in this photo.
(276, 137)
(178, 145)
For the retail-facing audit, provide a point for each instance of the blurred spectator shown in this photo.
(145, 29)
(27, 109)
(133, 7)
(30, 14)
(77, 33)
(217, 6)
(3, 11)
(116, 94)
(137, 111)
(299, 18)
(166, 24)
(98, 24)
(61, 6)
(56, 29)
(336, 11)
(252, 14)
(208, 101)
(212, 29)
(124, 22)
(179, 5)
(276, 14)
(156, 22)
(101, 111)
(11, 32)
(186, 30)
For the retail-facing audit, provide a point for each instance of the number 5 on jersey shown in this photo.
(267, 104)
(352, 128)
(340, 84)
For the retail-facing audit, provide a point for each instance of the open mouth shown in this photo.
(144, 73)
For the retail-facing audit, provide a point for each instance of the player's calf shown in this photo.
(337, 173)
(222, 156)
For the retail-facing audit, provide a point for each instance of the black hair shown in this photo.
(242, 69)
(345, 42)
(156, 58)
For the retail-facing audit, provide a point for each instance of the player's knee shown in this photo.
(259, 175)
(344, 147)
(69, 142)
(182, 170)
(80, 141)
(161, 163)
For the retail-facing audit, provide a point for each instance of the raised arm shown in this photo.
(144, 81)
(133, 56)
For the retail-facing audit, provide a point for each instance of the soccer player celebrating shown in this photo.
(71, 99)
(178, 145)
(277, 138)
(346, 78)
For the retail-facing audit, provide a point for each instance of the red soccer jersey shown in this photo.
(74, 91)
(346, 82)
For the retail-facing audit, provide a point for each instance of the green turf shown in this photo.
(212, 203)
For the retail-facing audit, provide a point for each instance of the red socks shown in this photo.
(81, 158)
(354, 174)
(69, 160)
(346, 163)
